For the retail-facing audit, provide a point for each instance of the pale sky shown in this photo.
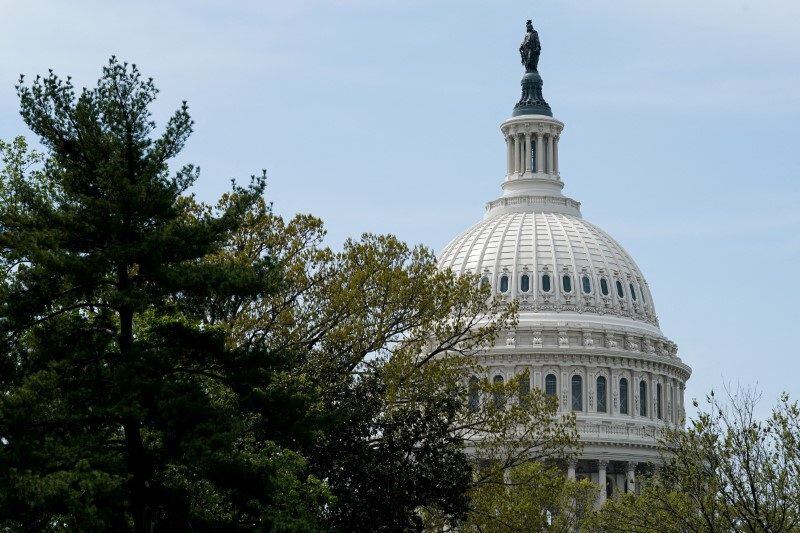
(382, 116)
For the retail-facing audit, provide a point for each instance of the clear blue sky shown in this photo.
(681, 134)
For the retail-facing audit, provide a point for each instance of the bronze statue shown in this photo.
(530, 49)
(532, 101)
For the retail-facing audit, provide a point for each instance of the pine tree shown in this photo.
(122, 405)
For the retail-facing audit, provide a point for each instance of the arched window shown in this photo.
(566, 283)
(474, 394)
(550, 385)
(533, 155)
(524, 384)
(642, 398)
(525, 283)
(623, 396)
(546, 282)
(633, 291)
(577, 393)
(658, 400)
(620, 290)
(499, 397)
(602, 403)
(604, 286)
(485, 281)
(503, 283)
(587, 285)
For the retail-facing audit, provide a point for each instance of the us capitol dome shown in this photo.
(588, 332)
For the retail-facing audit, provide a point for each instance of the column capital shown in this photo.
(602, 463)
(630, 466)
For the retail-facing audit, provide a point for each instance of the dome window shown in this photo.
(620, 290)
(623, 396)
(577, 393)
(566, 283)
(524, 384)
(587, 285)
(601, 394)
(485, 281)
(642, 398)
(499, 394)
(550, 385)
(604, 286)
(633, 292)
(658, 401)
(525, 283)
(503, 283)
(546, 282)
(474, 398)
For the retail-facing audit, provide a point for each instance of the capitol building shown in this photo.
(588, 332)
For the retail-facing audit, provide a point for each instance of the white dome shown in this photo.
(555, 245)
(587, 332)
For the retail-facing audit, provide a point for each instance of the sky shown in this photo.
(383, 116)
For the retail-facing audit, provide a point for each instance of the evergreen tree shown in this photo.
(121, 408)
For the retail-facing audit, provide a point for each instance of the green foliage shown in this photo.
(121, 408)
(534, 496)
(168, 365)
(390, 343)
(728, 471)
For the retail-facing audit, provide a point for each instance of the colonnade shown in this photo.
(528, 150)
(602, 466)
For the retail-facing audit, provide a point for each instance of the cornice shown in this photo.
(640, 363)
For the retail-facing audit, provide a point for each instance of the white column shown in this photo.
(550, 167)
(571, 465)
(652, 391)
(526, 156)
(516, 154)
(555, 155)
(539, 153)
(601, 478)
(630, 475)
(509, 157)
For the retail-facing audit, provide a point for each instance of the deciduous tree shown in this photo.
(728, 471)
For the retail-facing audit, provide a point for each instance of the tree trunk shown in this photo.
(136, 457)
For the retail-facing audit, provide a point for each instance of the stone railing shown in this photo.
(650, 434)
